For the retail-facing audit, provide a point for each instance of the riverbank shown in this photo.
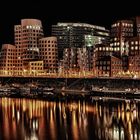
(111, 83)
(116, 88)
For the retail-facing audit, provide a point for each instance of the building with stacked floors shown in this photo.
(32, 53)
(49, 53)
(8, 59)
(77, 49)
(27, 36)
(73, 35)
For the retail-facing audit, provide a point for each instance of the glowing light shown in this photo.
(18, 116)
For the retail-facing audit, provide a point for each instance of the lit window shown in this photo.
(100, 48)
(132, 48)
(118, 43)
(27, 27)
(136, 42)
(30, 27)
(136, 47)
(118, 48)
(132, 42)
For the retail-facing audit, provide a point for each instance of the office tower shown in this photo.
(72, 35)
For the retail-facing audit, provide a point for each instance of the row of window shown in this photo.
(116, 62)
(105, 49)
(103, 62)
(123, 24)
(104, 67)
(29, 35)
(45, 41)
(50, 61)
(36, 68)
(135, 42)
(49, 53)
(36, 64)
(135, 58)
(134, 48)
(122, 34)
(47, 49)
(28, 31)
(50, 65)
(48, 45)
(6, 54)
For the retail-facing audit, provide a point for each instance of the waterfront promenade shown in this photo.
(72, 83)
(101, 81)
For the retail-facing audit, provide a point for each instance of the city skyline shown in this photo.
(75, 49)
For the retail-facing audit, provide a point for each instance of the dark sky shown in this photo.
(101, 12)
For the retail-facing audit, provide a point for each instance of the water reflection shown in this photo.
(41, 120)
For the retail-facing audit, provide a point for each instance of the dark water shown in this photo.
(24, 119)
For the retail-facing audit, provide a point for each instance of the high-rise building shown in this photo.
(134, 46)
(120, 31)
(49, 53)
(27, 36)
(72, 35)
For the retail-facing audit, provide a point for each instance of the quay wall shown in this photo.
(113, 83)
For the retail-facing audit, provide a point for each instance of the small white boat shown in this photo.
(45, 89)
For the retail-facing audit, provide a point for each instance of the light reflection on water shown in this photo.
(27, 119)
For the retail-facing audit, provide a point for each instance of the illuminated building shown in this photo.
(134, 64)
(85, 58)
(48, 53)
(78, 59)
(120, 31)
(7, 59)
(134, 46)
(103, 50)
(134, 54)
(73, 35)
(70, 58)
(35, 68)
(27, 35)
(108, 66)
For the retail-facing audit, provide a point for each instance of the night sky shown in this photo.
(98, 12)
